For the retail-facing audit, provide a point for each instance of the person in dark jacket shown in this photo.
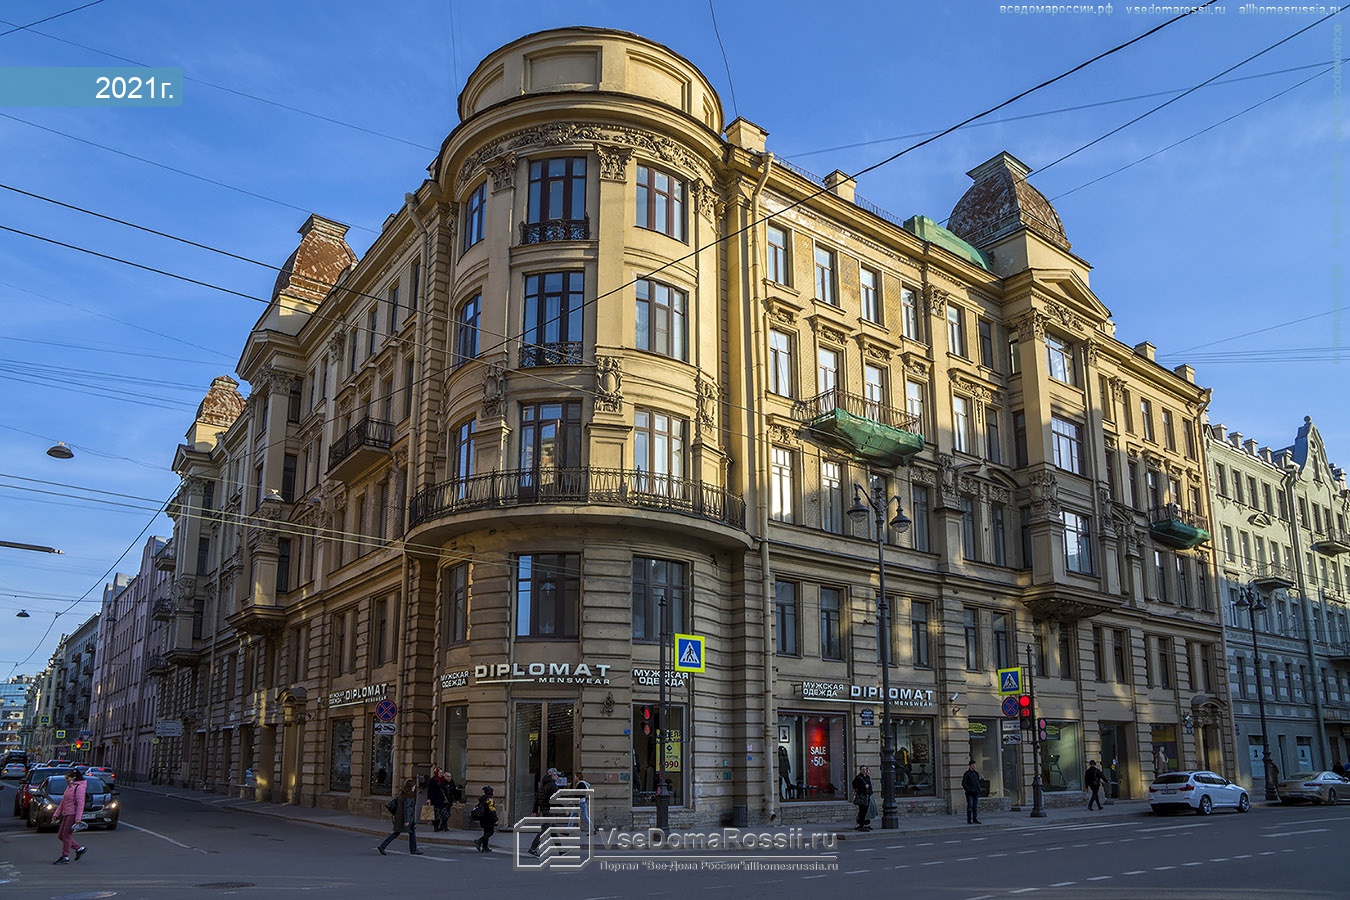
(862, 798)
(1093, 779)
(440, 793)
(485, 814)
(543, 803)
(403, 809)
(970, 783)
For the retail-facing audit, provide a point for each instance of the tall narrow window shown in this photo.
(914, 391)
(1002, 641)
(780, 364)
(999, 536)
(920, 637)
(874, 391)
(986, 334)
(455, 603)
(393, 307)
(553, 317)
(1068, 438)
(414, 284)
(661, 323)
(1024, 531)
(961, 424)
(462, 457)
(655, 580)
(1169, 430)
(293, 402)
(466, 329)
(870, 288)
(956, 331)
(658, 452)
(474, 211)
(556, 210)
(1077, 543)
(831, 497)
(1146, 419)
(825, 275)
(1020, 438)
(548, 594)
(785, 618)
(993, 444)
(289, 464)
(909, 313)
(1014, 355)
(778, 255)
(283, 565)
(782, 490)
(970, 627)
(922, 504)
(968, 548)
(831, 641)
(827, 377)
(1059, 359)
(372, 331)
(660, 202)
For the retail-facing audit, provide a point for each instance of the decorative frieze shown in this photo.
(1066, 317)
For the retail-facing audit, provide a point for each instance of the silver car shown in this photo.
(1201, 791)
(1319, 787)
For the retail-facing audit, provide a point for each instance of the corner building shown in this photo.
(612, 361)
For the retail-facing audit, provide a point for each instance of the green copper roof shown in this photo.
(931, 231)
(867, 439)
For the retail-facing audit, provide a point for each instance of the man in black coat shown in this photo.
(1093, 780)
(970, 783)
(862, 798)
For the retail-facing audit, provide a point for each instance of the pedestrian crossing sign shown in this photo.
(688, 653)
(1009, 681)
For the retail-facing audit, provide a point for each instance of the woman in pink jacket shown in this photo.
(69, 811)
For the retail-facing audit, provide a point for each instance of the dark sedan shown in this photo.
(30, 783)
(100, 803)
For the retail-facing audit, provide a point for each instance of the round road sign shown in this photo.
(386, 710)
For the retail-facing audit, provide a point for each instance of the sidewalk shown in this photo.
(918, 825)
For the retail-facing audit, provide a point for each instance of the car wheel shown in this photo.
(1244, 804)
(1206, 806)
(1331, 796)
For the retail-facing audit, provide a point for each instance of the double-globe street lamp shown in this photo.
(1250, 600)
(879, 505)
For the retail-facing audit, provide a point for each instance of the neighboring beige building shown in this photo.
(477, 464)
(1280, 520)
(63, 694)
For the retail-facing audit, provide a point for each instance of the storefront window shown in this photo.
(812, 758)
(456, 759)
(645, 743)
(986, 744)
(913, 743)
(381, 759)
(544, 739)
(340, 763)
(1165, 749)
(1062, 762)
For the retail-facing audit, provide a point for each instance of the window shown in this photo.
(455, 603)
(993, 446)
(909, 313)
(384, 610)
(1059, 359)
(283, 583)
(920, 637)
(1068, 444)
(968, 548)
(344, 641)
(1112, 465)
(914, 402)
(203, 555)
(831, 497)
(1165, 662)
(1122, 667)
(1002, 641)
(785, 618)
(293, 402)
(1024, 529)
(393, 307)
(831, 641)
(660, 202)
(825, 283)
(1104, 399)
(409, 377)
(414, 284)
(874, 391)
(1221, 480)
(462, 456)
(466, 329)
(658, 451)
(1125, 405)
(986, 334)
(354, 342)
(1014, 355)
(1160, 574)
(961, 424)
(372, 331)
(1132, 470)
(289, 464)
(999, 536)
(870, 286)
(970, 624)
(340, 756)
(782, 490)
(780, 364)
(1183, 581)
(1077, 543)
(1266, 497)
(1098, 654)
(1169, 430)
(661, 324)
(827, 377)
(557, 193)
(1146, 419)
(1066, 647)
(921, 504)
(778, 255)
(812, 757)
(1188, 432)
(474, 209)
(553, 308)
(956, 332)
(653, 581)
(1020, 438)
(548, 591)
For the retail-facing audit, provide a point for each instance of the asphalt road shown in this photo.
(171, 848)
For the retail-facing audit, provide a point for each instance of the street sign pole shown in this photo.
(1037, 789)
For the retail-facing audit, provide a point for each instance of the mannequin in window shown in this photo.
(785, 788)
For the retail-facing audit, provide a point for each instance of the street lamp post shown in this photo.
(1250, 600)
(662, 798)
(879, 504)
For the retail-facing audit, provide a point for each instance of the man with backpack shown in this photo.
(543, 803)
(485, 814)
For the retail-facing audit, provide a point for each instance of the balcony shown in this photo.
(162, 610)
(550, 353)
(869, 430)
(1271, 576)
(581, 486)
(364, 443)
(253, 618)
(1338, 651)
(555, 230)
(1333, 543)
(184, 657)
(1177, 527)
(164, 559)
(156, 664)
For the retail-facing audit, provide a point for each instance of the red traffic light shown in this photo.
(1024, 706)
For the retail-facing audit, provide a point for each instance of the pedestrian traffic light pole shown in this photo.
(662, 798)
(1037, 789)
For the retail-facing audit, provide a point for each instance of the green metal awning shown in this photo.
(867, 439)
(1176, 533)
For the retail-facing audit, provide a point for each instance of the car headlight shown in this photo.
(49, 806)
(112, 805)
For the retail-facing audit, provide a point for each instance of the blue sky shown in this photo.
(1228, 233)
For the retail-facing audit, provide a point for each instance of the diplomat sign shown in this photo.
(864, 693)
(358, 695)
(536, 673)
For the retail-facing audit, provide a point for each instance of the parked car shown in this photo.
(35, 777)
(1201, 791)
(13, 770)
(1319, 787)
(61, 763)
(100, 805)
(104, 774)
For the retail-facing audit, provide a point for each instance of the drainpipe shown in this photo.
(758, 447)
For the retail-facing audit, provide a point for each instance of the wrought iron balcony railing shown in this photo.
(555, 230)
(368, 432)
(826, 402)
(550, 353)
(1173, 512)
(604, 487)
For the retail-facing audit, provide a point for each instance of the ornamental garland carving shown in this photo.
(832, 335)
(707, 404)
(706, 199)
(1094, 353)
(1067, 317)
(782, 434)
(608, 384)
(613, 162)
(503, 171)
(494, 390)
(1044, 490)
(921, 476)
(992, 493)
(948, 494)
(917, 365)
(337, 344)
(344, 403)
(977, 391)
(1109, 441)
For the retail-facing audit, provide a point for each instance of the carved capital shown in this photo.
(337, 345)
(1094, 353)
(613, 162)
(917, 365)
(1029, 326)
(935, 300)
(706, 199)
(503, 171)
(1117, 389)
(608, 384)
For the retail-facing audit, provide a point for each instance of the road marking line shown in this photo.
(1023, 890)
(1048, 849)
(895, 847)
(1100, 878)
(858, 872)
(1193, 864)
(1291, 833)
(1167, 828)
(1219, 859)
(929, 844)
(1064, 884)
(900, 867)
(951, 842)
(1124, 840)
(1243, 856)
(936, 862)
(162, 837)
(1266, 853)
(809, 877)
(1289, 850)
(968, 859)
(1025, 852)
(996, 855)
(1162, 868)
(1076, 846)
(981, 897)
(979, 839)
(1135, 872)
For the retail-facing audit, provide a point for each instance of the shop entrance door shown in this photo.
(543, 737)
(1115, 748)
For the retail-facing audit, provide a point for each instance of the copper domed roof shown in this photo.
(1001, 201)
(320, 258)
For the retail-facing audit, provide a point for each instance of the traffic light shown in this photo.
(648, 720)
(1024, 710)
(1041, 730)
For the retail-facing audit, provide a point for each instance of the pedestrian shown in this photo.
(485, 814)
(862, 798)
(1093, 780)
(583, 785)
(440, 796)
(70, 811)
(543, 804)
(403, 809)
(970, 783)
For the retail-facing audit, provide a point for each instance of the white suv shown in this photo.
(1201, 791)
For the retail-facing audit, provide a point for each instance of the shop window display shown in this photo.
(1164, 740)
(381, 762)
(1062, 762)
(340, 763)
(811, 759)
(914, 769)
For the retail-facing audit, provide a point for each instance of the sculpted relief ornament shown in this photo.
(494, 389)
(613, 162)
(608, 384)
(707, 404)
(1029, 325)
(1044, 494)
